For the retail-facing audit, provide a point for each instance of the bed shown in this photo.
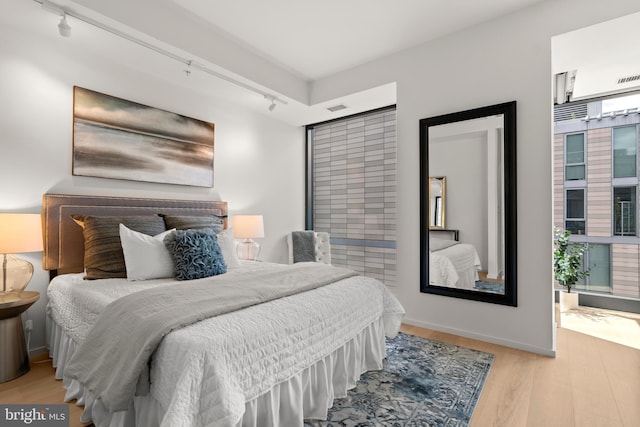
(452, 263)
(275, 363)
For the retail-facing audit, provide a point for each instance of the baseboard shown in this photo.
(480, 337)
(38, 353)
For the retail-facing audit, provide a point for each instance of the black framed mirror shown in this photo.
(474, 257)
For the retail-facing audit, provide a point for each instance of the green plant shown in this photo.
(567, 260)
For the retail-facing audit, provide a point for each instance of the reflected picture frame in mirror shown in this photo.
(437, 202)
(499, 224)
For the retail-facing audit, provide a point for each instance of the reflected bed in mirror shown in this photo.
(475, 257)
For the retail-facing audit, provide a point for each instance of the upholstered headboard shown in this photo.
(63, 240)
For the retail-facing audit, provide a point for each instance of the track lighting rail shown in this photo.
(65, 31)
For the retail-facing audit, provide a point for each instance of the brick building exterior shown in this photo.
(595, 179)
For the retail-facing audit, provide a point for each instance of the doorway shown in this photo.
(596, 76)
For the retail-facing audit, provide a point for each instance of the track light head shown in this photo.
(273, 101)
(63, 26)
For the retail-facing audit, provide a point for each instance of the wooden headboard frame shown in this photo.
(63, 240)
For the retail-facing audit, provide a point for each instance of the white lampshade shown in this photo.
(18, 233)
(247, 226)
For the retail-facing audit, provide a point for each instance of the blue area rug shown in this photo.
(423, 383)
(492, 287)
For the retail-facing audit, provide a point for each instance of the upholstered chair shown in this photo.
(320, 242)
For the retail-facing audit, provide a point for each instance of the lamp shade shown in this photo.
(20, 233)
(247, 226)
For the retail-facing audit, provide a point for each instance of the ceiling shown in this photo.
(601, 55)
(279, 47)
(314, 39)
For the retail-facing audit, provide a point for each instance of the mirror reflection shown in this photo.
(470, 153)
(475, 151)
(437, 202)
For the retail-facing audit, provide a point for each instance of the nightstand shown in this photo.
(14, 357)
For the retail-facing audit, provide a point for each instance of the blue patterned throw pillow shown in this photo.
(196, 254)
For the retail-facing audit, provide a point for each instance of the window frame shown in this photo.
(584, 156)
(613, 211)
(584, 207)
(613, 152)
(584, 283)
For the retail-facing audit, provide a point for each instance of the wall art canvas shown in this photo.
(120, 139)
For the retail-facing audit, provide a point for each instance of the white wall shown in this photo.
(259, 162)
(502, 60)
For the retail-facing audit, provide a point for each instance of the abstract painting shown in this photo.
(120, 139)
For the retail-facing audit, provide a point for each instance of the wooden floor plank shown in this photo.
(552, 395)
(593, 399)
(622, 368)
(505, 399)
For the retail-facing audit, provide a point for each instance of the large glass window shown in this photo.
(624, 211)
(353, 192)
(598, 258)
(625, 142)
(575, 218)
(574, 157)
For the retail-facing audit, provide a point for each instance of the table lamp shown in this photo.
(18, 233)
(247, 227)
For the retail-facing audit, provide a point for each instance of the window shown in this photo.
(575, 217)
(627, 102)
(352, 196)
(574, 157)
(624, 211)
(598, 258)
(625, 143)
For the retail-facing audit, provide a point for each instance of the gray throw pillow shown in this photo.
(185, 222)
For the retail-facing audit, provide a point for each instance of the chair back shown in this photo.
(322, 246)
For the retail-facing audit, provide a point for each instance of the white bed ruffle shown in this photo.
(314, 388)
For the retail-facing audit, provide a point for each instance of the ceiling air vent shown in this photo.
(629, 79)
(337, 108)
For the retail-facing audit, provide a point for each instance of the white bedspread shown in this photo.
(205, 373)
(441, 271)
(454, 266)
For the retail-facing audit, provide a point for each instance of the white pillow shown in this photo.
(228, 247)
(145, 256)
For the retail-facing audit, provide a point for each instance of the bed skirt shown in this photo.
(468, 278)
(306, 396)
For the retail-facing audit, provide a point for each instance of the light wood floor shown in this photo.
(591, 382)
(482, 275)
